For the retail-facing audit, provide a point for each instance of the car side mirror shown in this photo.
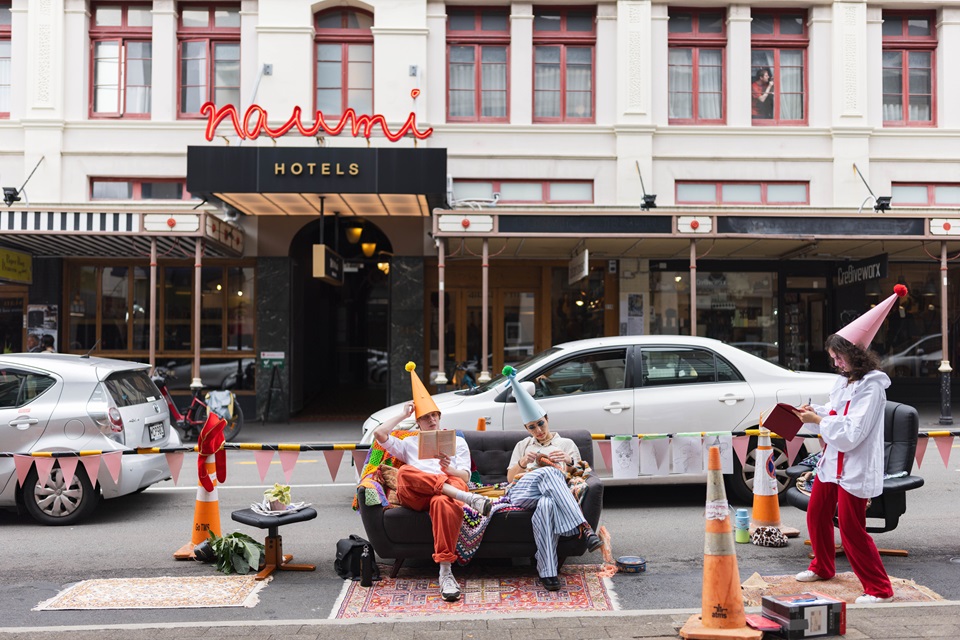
(529, 387)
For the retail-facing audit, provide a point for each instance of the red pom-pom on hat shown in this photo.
(900, 290)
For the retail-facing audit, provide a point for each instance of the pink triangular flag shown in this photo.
(921, 449)
(112, 461)
(175, 462)
(23, 464)
(793, 446)
(263, 458)
(606, 452)
(68, 466)
(287, 461)
(360, 459)
(92, 466)
(44, 466)
(945, 444)
(740, 446)
(333, 458)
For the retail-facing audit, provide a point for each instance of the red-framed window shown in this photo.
(6, 68)
(478, 64)
(208, 39)
(564, 45)
(525, 191)
(121, 59)
(919, 194)
(909, 80)
(697, 40)
(742, 192)
(139, 189)
(343, 75)
(779, 42)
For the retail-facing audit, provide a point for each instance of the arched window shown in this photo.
(344, 58)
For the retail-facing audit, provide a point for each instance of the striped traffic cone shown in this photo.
(206, 512)
(766, 496)
(722, 615)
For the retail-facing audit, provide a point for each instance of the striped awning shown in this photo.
(66, 234)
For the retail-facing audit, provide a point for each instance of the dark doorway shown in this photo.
(340, 333)
(11, 319)
(804, 330)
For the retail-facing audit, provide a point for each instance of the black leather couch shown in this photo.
(401, 533)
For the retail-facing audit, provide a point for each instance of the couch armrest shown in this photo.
(797, 469)
(902, 484)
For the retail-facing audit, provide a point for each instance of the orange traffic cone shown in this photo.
(766, 498)
(206, 513)
(722, 615)
(481, 424)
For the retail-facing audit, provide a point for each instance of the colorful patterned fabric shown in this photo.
(377, 456)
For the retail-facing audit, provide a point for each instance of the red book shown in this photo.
(783, 421)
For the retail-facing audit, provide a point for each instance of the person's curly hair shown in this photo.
(861, 361)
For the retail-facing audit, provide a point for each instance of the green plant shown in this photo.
(279, 492)
(236, 552)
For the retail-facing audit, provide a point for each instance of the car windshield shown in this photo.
(520, 367)
(128, 388)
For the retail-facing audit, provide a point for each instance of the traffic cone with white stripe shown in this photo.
(722, 615)
(206, 512)
(766, 498)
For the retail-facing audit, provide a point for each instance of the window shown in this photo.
(771, 193)
(137, 189)
(5, 61)
(926, 195)
(121, 51)
(909, 46)
(678, 365)
(18, 387)
(209, 42)
(563, 47)
(549, 192)
(477, 59)
(344, 59)
(778, 62)
(695, 61)
(585, 373)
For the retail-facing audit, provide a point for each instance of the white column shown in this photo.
(635, 75)
(434, 77)
(605, 65)
(948, 89)
(820, 69)
(852, 95)
(250, 63)
(738, 66)
(18, 51)
(76, 57)
(163, 94)
(521, 63)
(874, 62)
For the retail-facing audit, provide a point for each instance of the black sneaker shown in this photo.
(593, 541)
(551, 583)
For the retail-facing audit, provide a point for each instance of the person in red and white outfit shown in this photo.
(850, 471)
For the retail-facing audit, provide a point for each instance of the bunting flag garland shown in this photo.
(288, 459)
(945, 445)
(23, 464)
(44, 467)
(174, 463)
(91, 464)
(793, 446)
(740, 446)
(112, 462)
(359, 458)
(263, 457)
(68, 467)
(606, 454)
(333, 459)
(921, 449)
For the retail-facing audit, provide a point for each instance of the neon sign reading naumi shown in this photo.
(254, 122)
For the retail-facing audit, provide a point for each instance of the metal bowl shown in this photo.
(631, 564)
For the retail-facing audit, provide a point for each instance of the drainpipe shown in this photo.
(945, 369)
(693, 287)
(485, 294)
(441, 378)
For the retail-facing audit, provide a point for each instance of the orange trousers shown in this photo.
(422, 491)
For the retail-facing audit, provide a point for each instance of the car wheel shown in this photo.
(740, 484)
(50, 502)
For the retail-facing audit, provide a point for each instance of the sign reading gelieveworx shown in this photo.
(859, 272)
(317, 170)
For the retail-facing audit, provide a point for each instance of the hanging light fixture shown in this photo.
(354, 232)
(368, 248)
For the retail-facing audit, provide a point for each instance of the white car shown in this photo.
(920, 359)
(60, 402)
(640, 385)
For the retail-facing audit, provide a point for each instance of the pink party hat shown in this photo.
(862, 330)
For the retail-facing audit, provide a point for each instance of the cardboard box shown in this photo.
(806, 615)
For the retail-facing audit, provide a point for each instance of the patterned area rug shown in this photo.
(844, 586)
(500, 589)
(158, 593)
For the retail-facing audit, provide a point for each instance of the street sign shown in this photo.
(327, 265)
(579, 267)
(270, 359)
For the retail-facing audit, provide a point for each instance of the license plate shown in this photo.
(156, 431)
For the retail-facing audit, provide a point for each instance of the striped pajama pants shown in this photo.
(555, 512)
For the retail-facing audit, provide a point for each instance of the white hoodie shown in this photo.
(857, 431)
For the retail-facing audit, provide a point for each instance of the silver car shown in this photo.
(60, 402)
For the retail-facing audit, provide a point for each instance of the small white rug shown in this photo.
(158, 593)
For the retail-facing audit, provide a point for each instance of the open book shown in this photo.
(784, 421)
(433, 443)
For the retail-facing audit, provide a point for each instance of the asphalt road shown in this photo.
(135, 536)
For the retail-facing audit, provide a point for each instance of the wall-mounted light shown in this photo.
(368, 248)
(353, 233)
(384, 266)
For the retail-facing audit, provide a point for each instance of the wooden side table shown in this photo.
(273, 545)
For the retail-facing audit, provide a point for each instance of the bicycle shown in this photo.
(463, 378)
(190, 422)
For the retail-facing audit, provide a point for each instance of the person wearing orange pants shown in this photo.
(437, 485)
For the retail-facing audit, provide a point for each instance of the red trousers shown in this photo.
(857, 543)
(422, 491)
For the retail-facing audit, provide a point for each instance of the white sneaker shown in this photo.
(868, 599)
(807, 576)
(449, 588)
(480, 504)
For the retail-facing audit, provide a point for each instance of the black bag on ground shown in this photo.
(354, 558)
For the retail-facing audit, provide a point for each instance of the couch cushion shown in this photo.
(491, 450)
